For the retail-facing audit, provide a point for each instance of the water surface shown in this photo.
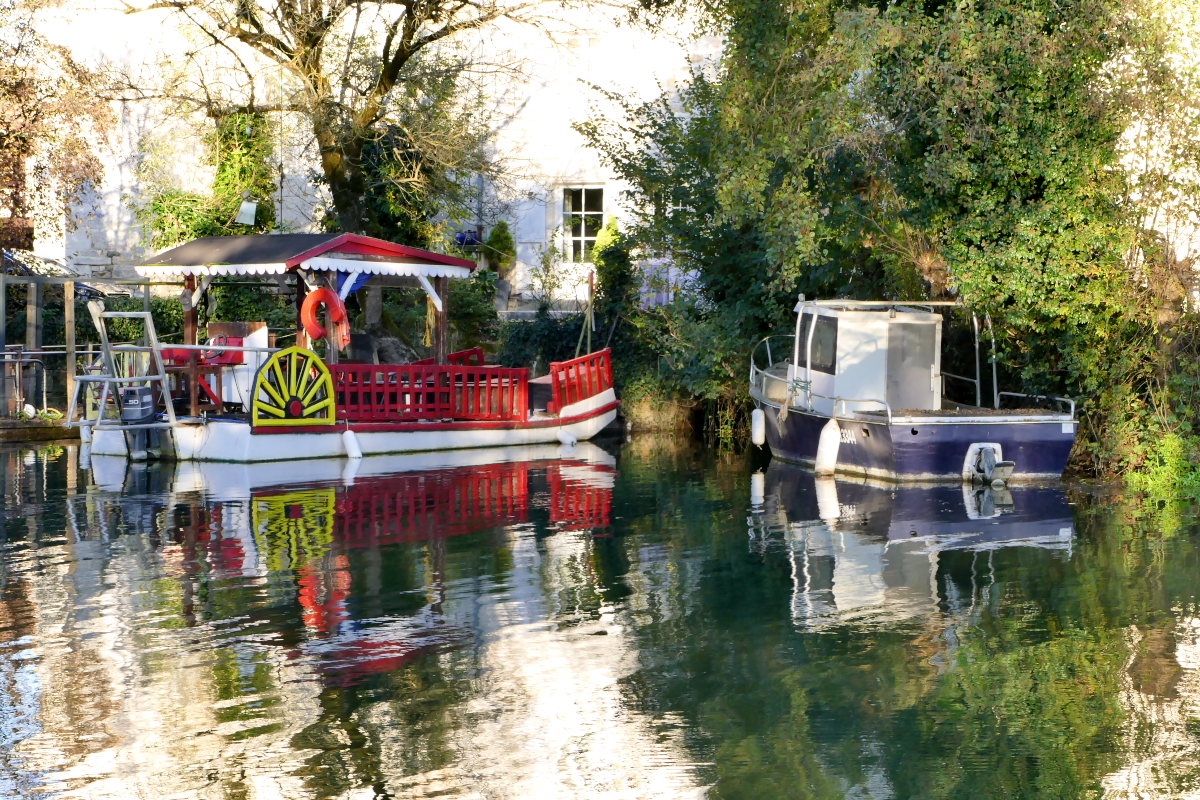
(646, 619)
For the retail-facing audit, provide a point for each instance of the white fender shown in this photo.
(758, 427)
(827, 500)
(351, 442)
(827, 448)
(350, 470)
(758, 487)
(567, 438)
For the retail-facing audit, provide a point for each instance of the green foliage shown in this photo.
(166, 312)
(542, 340)
(920, 150)
(501, 248)
(240, 151)
(1171, 468)
(617, 279)
(472, 311)
(420, 166)
(546, 277)
(237, 299)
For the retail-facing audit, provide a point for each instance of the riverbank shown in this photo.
(14, 430)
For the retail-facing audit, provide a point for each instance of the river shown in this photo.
(635, 619)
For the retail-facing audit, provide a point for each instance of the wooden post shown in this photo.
(3, 344)
(33, 333)
(441, 328)
(301, 335)
(191, 325)
(331, 343)
(69, 332)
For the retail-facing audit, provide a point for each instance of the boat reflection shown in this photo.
(869, 549)
(310, 526)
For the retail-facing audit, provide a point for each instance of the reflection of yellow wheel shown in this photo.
(294, 527)
(293, 388)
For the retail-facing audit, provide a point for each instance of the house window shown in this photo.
(583, 217)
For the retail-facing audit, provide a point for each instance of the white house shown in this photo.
(563, 193)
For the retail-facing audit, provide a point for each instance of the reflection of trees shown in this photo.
(1011, 690)
(1028, 673)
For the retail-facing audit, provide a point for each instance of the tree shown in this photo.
(501, 248)
(51, 120)
(351, 64)
(1033, 159)
(239, 149)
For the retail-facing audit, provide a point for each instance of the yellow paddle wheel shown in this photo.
(293, 388)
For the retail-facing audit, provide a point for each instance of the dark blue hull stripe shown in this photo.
(932, 450)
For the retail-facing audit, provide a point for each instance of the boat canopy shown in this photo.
(277, 254)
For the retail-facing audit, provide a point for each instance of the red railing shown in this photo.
(406, 392)
(467, 358)
(463, 358)
(579, 379)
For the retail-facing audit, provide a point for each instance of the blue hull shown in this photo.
(929, 511)
(924, 451)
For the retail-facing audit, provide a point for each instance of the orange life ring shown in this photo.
(337, 312)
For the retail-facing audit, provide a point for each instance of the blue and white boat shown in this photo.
(858, 389)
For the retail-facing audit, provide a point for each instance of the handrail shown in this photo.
(1067, 400)
(766, 340)
(467, 358)
(579, 379)
(844, 400)
(756, 371)
(210, 346)
(405, 392)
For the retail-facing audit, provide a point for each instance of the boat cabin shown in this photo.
(865, 354)
(860, 356)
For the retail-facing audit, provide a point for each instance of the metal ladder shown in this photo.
(110, 379)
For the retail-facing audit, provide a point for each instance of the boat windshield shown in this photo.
(824, 349)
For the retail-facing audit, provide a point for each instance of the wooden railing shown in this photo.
(463, 358)
(467, 358)
(406, 392)
(578, 379)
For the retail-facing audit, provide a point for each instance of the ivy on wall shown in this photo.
(241, 154)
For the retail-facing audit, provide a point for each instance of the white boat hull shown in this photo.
(236, 442)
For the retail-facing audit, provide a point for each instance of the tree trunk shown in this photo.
(373, 313)
(341, 162)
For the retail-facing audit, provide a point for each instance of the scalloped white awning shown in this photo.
(389, 268)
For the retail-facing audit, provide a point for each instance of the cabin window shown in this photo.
(824, 348)
(583, 217)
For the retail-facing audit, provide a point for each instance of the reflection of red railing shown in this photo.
(579, 379)
(394, 392)
(431, 504)
(577, 503)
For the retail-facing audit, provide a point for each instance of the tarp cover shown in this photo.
(274, 254)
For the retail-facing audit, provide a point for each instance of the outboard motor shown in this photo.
(137, 408)
(989, 469)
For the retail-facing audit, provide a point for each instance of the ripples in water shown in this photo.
(642, 620)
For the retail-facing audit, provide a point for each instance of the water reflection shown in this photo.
(586, 623)
(864, 550)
